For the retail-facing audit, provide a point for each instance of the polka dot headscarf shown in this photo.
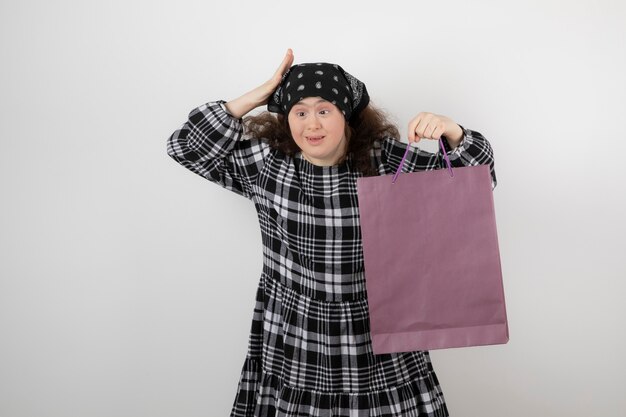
(322, 79)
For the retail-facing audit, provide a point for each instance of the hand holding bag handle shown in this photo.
(406, 152)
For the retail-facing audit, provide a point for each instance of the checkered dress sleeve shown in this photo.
(474, 149)
(211, 143)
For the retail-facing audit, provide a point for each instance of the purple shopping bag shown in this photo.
(432, 262)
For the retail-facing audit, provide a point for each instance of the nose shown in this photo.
(313, 121)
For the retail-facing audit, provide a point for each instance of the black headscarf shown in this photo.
(328, 81)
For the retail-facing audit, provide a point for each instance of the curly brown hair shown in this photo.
(369, 126)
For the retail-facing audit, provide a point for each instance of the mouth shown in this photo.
(315, 139)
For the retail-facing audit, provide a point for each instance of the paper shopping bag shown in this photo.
(432, 262)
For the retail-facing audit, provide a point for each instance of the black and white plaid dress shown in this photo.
(309, 350)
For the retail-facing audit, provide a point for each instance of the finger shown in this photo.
(440, 128)
(289, 59)
(285, 64)
(420, 127)
(429, 131)
(434, 124)
(412, 126)
(438, 132)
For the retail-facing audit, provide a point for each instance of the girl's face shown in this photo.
(314, 117)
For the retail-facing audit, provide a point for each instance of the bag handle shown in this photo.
(406, 152)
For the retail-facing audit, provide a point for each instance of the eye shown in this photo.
(298, 113)
(326, 110)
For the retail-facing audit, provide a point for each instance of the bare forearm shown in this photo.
(240, 106)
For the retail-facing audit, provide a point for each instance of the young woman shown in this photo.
(309, 350)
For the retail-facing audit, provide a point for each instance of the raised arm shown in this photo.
(211, 144)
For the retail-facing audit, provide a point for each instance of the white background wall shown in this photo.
(127, 283)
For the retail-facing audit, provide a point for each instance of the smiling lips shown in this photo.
(315, 139)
